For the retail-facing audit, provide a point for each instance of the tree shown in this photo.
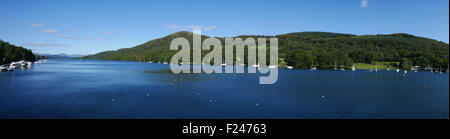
(405, 64)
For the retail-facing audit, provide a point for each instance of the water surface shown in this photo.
(115, 89)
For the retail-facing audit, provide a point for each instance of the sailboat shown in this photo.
(398, 70)
(353, 68)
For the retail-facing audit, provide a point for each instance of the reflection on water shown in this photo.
(114, 89)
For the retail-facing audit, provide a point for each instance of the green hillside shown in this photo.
(322, 49)
(10, 53)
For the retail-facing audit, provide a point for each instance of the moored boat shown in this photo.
(3, 68)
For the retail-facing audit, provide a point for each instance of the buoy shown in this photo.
(424, 85)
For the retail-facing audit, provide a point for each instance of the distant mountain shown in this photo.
(321, 49)
(60, 56)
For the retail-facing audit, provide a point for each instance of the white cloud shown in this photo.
(50, 31)
(364, 3)
(36, 25)
(39, 44)
(64, 36)
(56, 33)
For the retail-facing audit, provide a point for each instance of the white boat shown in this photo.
(3, 68)
(28, 63)
(313, 68)
(353, 68)
(405, 71)
(12, 67)
(398, 70)
(289, 67)
(223, 64)
(165, 63)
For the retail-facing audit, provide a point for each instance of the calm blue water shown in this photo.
(112, 89)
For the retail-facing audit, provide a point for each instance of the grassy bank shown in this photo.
(379, 65)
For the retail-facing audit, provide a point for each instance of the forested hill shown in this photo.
(10, 53)
(322, 49)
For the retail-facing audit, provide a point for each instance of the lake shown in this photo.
(117, 89)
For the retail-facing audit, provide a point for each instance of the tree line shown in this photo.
(11, 53)
(315, 49)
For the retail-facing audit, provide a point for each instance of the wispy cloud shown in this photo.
(36, 25)
(364, 3)
(49, 31)
(65, 36)
(172, 26)
(40, 44)
(56, 33)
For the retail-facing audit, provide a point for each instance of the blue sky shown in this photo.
(91, 26)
